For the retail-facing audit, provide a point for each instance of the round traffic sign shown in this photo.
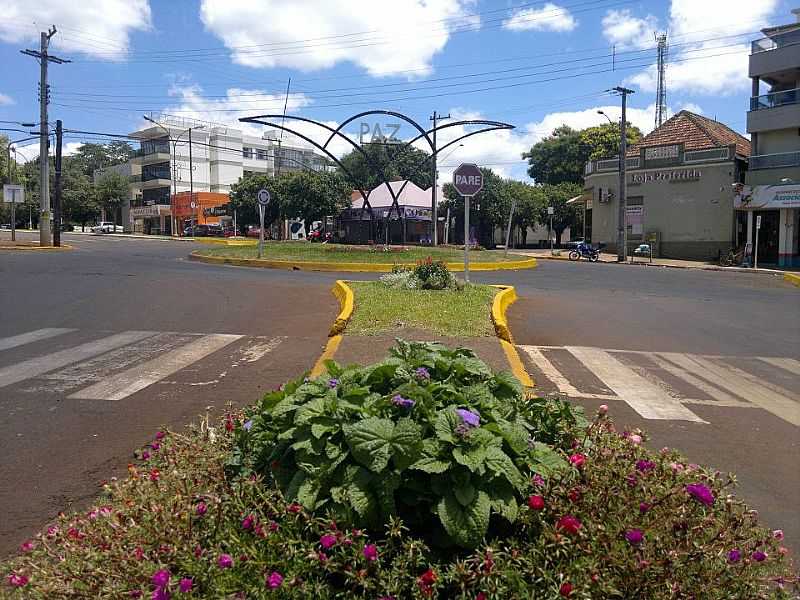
(468, 179)
(263, 197)
(193, 204)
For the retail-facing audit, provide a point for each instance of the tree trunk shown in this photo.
(524, 236)
(558, 236)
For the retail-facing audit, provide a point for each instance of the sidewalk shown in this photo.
(657, 262)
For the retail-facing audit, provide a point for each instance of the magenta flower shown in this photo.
(734, 556)
(634, 536)
(225, 561)
(161, 593)
(645, 465)
(759, 556)
(577, 460)
(247, 522)
(160, 578)
(201, 509)
(538, 480)
(17, 580)
(371, 552)
(185, 586)
(27, 546)
(569, 524)
(145, 455)
(701, 493)
(155, 446)
(160, 435)
(778, 534)
(274, 580)
(644, 507)
(326, 541)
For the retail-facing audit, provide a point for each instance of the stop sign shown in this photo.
(468, 179)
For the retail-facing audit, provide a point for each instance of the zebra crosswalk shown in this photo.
(113, 366)
(665, 385)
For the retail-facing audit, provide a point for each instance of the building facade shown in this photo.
(679, 190)
(167, 164)
(771, 197)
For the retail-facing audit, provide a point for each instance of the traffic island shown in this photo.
(307, 256)
(27, 246)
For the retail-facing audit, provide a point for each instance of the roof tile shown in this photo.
(696, 132)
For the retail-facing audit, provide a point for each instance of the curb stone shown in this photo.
(344, 293)
(792, 278)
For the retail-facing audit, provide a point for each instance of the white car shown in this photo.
(106, 227)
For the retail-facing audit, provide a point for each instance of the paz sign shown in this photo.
(468, 179)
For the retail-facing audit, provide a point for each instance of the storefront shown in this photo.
(151, 220)
(769, 215)
(202, 208)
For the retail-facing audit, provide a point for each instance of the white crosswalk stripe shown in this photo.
(664, 385)
(117, 366)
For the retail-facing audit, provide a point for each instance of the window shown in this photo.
(261, 154)
(247, 153)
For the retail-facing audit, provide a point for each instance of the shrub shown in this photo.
(429, 435)
(433, 275)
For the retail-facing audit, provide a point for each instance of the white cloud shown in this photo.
(550, 17)
(99, 28)
(697, 62)
(308, 35)
(691, 107)
(4, 100)
(624, 30)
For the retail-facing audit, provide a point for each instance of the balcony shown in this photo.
(780, 40)
(774, 99)
(776, 110)
(774, 161)
(776, 58)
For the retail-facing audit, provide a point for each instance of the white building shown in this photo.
(218, 156)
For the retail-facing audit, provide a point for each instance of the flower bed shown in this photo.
(607, 518)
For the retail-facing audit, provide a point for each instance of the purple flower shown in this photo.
(225, 561)
(247, 522)
(185, 586)
(274, 580)
(161, 593)
(634, 536)
(201, 509)
(398, 400)
(538, 480)
(248, 424)
(734, 556)
(155, 446)
(469, 418)
(645, 465)
(644, 507)
(759, 556)
(145, 455)
(701, 493)
(632, 479)
(160, 435)
(160, 578)
(371, 552)
(326, 541)
(422, 373)
(332, 383)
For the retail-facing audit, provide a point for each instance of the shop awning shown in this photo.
(580, 199)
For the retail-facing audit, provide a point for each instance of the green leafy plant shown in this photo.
(430, 435)
(433, 275)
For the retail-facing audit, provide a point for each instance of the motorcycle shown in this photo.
(585, 251)
(319, 236)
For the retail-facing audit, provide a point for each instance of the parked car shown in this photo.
(253, 231)
(106, 227)
(642, 250)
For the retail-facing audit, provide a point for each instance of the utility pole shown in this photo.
(623, 148)
(57, 197)
(44, 161)
(191, 184)
(436, 117)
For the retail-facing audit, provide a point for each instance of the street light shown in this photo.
(610, 122)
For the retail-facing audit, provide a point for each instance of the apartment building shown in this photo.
(179, 154)
(771, 197)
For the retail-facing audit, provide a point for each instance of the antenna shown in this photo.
(661, 90)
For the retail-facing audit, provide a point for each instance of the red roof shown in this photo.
(696, 132)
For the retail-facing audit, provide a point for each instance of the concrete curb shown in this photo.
(225, 241)
(350, 267)
(344, 293)
(792, 278)
(502, 300)
(60, 248)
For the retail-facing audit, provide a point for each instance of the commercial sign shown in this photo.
(766, 196)
(468, 179)
(13, 194)
(634, 218)
(217, 211)
(154, 210)
(673, 176)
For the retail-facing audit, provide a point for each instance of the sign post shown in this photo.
(263, 201)
(13, 194)
(468, 181)
(755, 254)
(551, 211)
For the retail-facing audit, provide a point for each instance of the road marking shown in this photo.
(649, 400)
(738, 382)
(49, 362)
(31, 336)
(141, 376)
(788, 364)
(549, 370)
(717, 394)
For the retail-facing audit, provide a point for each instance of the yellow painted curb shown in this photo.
(502, 300)
(352, 267)
(216, 241)
(345, 295)
(60, 248)
(792, 278)
(327, 354)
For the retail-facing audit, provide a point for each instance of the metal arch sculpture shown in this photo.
(423, 134)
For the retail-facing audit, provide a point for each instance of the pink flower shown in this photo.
(326, 541)
(371, 552)
(17, 580)
(635, 438)
(161, 593)
(154, 474)
(138, 553)
(201, 509)
(644, 507)
(322, 557)
(480, 596)
(225, 561)
(135, 594)
(247, 522)
(273, 526)
(634, 536)
(185, 586)
(565, 590)
(577, 460)
(155, 446)
(538, 480)
(274, 580)
(536, 502)
(294, 508)
(27, 546)
(778, 534)
(160, 578)
(602, 409)
(569, 524)
(52, 531)
(145, 455)
(160, 435)
(676, 467)
(701, 493)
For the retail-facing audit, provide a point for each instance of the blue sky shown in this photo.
(533, 64)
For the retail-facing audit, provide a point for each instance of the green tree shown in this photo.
(112, 189)
(5, 165)
(397, 161)
(78, 197)
(565, 215)
(529, 201)
(243, 199)
(90, 157)
(562, 156)
(311, 195)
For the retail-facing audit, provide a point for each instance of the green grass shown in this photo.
(379, 308)
(359, 254)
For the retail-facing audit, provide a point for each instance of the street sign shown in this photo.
(551, 210)
(193, 204)
(758, 221)
(263, 197)
(468, 179)
(15, 194)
